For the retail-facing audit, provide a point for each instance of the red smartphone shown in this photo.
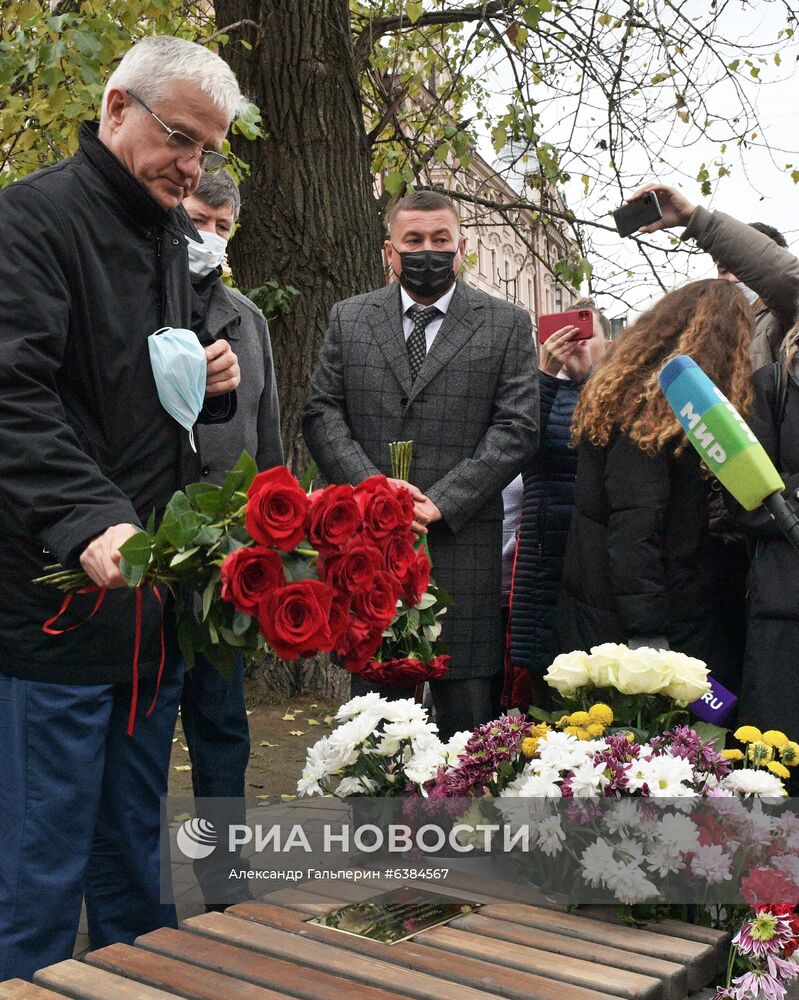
(583, 319)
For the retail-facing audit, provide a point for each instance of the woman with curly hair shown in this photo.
(642, 565)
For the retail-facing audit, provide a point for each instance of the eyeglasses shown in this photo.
(210, 159)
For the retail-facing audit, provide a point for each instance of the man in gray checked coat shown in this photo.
(431, 360)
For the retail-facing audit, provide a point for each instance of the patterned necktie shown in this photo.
(416, 343)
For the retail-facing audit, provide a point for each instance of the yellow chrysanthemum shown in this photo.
(601, 713)
(540, 730)
(630, 736)
(789, 754)
(759, 753)
(579, 719)
(578, 731)
(530, 746)
(747, 734)
(779, 769)
(595, 729)
(732, 754)
(775, 738)
(564, 720)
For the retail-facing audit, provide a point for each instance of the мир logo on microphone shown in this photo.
(197, 838)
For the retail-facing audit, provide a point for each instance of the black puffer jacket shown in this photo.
(641, 562)
(771, 664)
(90, 266)
(547, 508)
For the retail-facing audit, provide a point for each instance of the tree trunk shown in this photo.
(309, 215)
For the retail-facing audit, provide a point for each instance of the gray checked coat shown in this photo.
(472, 415)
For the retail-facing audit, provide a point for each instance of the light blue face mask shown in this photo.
(179, 366)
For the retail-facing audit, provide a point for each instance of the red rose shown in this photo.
(295, 619)
(399, 556)
(399, 672)
(359, 644)
(339, 620)
(384, 507)
(378, 604)
(417, 580)
(438, 667)
(353, 569)
(249, 575)
(335, 517)
(767, 886)
(277, 509)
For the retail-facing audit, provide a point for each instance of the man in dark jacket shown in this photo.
(212, 708)
(95, 262)
(753, 256)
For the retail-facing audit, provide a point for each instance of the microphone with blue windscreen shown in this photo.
(725, 442)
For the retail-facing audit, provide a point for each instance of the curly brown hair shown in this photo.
(709, 320)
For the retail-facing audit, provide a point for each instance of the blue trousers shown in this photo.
(79, 814)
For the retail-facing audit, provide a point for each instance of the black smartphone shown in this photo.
(630, 217)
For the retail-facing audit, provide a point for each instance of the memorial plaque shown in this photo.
(397, 915)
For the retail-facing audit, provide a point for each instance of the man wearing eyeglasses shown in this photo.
(94, 262)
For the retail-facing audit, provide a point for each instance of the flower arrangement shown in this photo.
(260, 561)
(647, 689)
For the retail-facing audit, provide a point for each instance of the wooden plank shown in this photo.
(189, 981)
(699, 959)
(501, 981)
(82, 982)
(673, 977)
(575, 971)
(280, 973)
(18, 989)
(314, 954)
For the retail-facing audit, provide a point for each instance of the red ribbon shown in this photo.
(101, 592)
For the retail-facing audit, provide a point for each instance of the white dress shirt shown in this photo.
(434, 325)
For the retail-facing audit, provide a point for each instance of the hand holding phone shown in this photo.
(582, 319)
(636, 214)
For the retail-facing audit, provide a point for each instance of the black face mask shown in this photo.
(427, 273)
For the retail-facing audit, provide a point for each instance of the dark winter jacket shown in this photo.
(771, 664)
(90, 266)
(640, 560)
(547, 508)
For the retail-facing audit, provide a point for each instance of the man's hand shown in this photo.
(101, 557)
(424, 511)
(563, 349)
(676, 208)
(223, 373)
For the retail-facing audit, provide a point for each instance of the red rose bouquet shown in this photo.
(335, 571)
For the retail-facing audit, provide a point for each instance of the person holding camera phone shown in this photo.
(565, 358)
(754, 257)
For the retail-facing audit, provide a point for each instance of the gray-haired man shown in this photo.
(94, 262)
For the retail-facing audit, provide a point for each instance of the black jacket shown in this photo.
(771, 663)
(641, 562)
(90, 266)
(547, 508)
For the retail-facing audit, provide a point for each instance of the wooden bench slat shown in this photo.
(18, 989)
(82, 982)
(314, 954)
(279, 973)
(190, 981)
(414, 954)
(699, 959)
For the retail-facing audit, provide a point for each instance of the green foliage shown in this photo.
(273, 299)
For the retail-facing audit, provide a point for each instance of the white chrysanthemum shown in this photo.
(712, 864)
(678, 832)
(628, 883)
(664, 859)
(455, 746)
(363, 702)
(423, 766)
(751, 781)
(667, 777)
(408, 729)
(623, 815)
(588, 779)
(550, 836)
(405, 710)
(355, 786)
(312, 775)
(595, 862)
(531, 785)
(561, 750)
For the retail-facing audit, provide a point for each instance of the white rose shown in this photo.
(600, 661)
(688, 679)
(568, 672)
(640, 671)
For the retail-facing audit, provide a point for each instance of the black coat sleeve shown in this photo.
(55, 489)
(637, 488)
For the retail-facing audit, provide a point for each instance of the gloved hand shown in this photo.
(652, 642)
